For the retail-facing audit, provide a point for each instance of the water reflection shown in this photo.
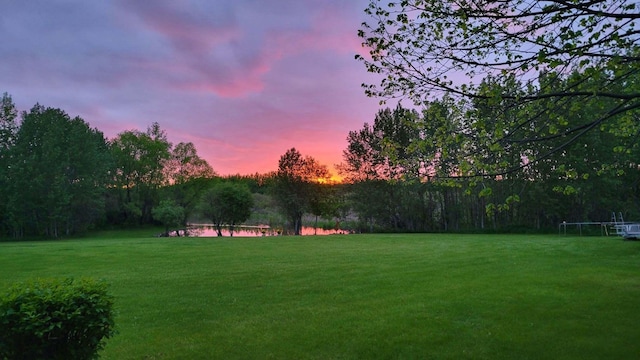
(207, 230)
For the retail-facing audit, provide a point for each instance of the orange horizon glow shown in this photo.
(333, 179)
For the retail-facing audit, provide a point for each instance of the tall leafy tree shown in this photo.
(381, 151)
(298, 179)
(187, 176)
(185, 164)
(58, 174)
(441, 143)
(8, 133)
(378, 158)
(139, 173)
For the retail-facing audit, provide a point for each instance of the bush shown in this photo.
(55, 319)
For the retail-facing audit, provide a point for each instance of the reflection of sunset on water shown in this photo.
(203, 230)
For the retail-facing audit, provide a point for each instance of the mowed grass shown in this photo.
(355, 296)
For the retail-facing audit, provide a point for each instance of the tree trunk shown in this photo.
(315, 227)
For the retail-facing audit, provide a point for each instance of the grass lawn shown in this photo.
(355, 296)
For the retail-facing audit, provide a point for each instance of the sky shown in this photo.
(243, 80)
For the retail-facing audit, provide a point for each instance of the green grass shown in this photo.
(355, 296)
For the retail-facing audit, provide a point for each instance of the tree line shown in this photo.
(401, 180)
(60, 177)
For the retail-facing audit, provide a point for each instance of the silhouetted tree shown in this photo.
(297, 180)
(187, 175)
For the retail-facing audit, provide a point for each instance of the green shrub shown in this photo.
(55, 319)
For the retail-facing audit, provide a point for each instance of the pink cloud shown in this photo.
(220, 52)
(206, 48)
(187, 28)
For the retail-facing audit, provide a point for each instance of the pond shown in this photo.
(207, 230)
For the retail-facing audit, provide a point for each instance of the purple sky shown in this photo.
(244, 80)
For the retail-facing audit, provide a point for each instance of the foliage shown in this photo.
(55, 319)
(419, 44)
(8, 125)
(59, 177)
(58, 171)
(584, 182)
(324, 202)
(169, 214)
(298, 181)
(139, 170)
(187, 176)
(8, 133)
(226, 203)
(523, 147)
(514, 56)
(187, 194)
(265, 212)
(185, 164)
(381, 151)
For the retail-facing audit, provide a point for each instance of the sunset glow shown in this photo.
(243, 81)
(334, 179)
